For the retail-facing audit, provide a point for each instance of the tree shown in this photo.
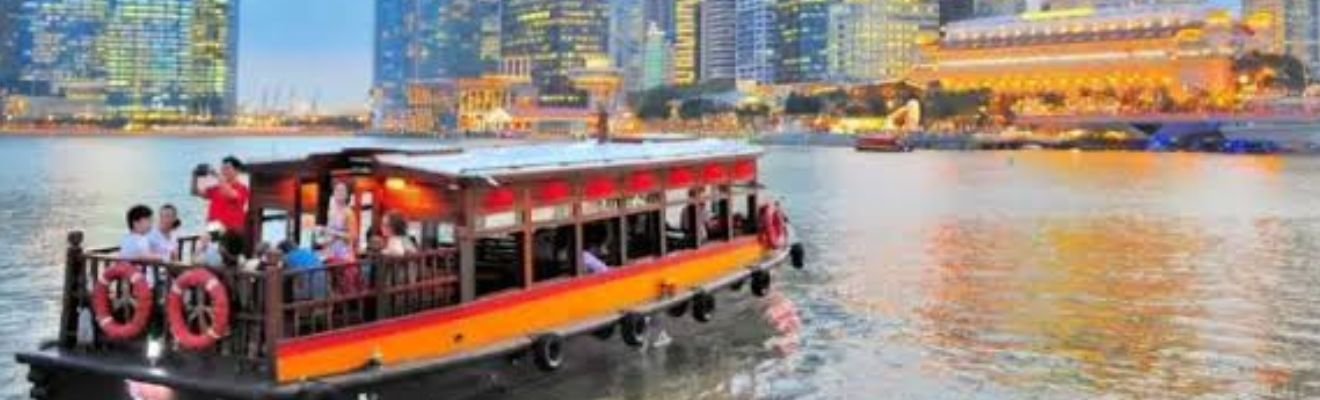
(798, 104)
(1275, 71)
(654, 103)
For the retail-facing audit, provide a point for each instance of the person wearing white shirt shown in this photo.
(136, 245)
(164, 239)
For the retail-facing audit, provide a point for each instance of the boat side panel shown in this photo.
(511, 316)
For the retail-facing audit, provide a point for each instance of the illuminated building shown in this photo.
(687, 39)
(718, 44)
(995, 8)
(9, 52)
(627, 40)
(139, 61)
(602, 82)
(875, 41)
(803, 40)
(1184, 50)
(755, 41)
(1296, 28)
(956, 10)
(660, 12)
(556, 35)
(655, 58)
(419, 41)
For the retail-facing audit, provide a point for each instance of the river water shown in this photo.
(1050, 275)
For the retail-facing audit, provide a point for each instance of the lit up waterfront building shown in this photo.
(687, 41)
(150, 61)
(755, 38)
(718, 40)
(1297, 28)
(877, 40)
(1184, 51)
(418, 42)
(557, 36)
(803, 40)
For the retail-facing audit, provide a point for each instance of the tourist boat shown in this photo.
(500, 269)
(881, 143)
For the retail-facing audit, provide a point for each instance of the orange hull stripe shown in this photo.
(510, 315)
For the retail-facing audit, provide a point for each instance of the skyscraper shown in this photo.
(427, 40)
(687, 41)
(956, 10)
(1295, 25)
(556, 35)
(661, 12)
(655, 57)
(803, 28)
(627, 37)
(755, 41)
(139, 60)
(874, 40)
(9, 27)
(718, 40)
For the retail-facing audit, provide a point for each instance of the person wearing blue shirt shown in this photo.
(306, 286)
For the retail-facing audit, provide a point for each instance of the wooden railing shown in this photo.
(270, 303)
(373, 288)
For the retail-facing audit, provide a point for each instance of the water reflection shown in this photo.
(933, 275)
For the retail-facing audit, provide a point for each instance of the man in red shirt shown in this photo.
(228, 197)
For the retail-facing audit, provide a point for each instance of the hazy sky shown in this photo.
(311, 46)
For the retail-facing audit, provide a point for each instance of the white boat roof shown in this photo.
(485, 162)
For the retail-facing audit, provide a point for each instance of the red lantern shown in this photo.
(600, 188)
(641, 182)
(679, 178)
(715, 173)
(744, 171)
(498, 199)
(553, 192)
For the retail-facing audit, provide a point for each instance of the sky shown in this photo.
(308, 46)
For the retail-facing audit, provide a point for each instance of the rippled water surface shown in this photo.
(933, 275)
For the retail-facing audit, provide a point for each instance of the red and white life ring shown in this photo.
(211, 319)
(774, 227)
(138, 299)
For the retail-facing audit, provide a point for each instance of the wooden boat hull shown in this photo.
(487, 329)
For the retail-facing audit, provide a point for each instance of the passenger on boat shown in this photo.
(208, 253)
(310, 284)
(163, 239)
(593, 263)
(136, 245)
(228, 196)
(397, 241)
(340, 232)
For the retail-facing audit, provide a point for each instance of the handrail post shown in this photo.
(378, 280)
(274, 277)
(73, 260)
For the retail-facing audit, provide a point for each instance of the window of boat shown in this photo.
(553, 253)
(644, 234)
(717, 219)
(601, 238)
(681, 227)
(742, 198)
(499, 263)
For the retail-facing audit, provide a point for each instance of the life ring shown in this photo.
(774, 227)
(138, 300)
(211, 318)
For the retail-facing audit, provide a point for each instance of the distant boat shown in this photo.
(881, 143)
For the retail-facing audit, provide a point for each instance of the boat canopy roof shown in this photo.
(485, 162)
